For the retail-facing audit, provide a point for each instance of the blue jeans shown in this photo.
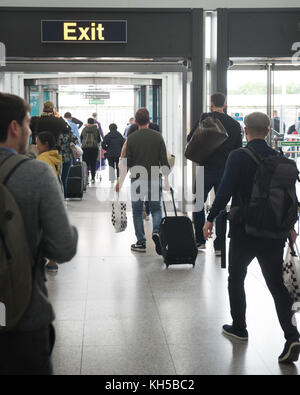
(151, 191)
(212, 179)
(65, 174)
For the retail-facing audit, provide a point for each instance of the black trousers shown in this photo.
(113, 163)
(27, 353)
(269, 253)
(90, 156)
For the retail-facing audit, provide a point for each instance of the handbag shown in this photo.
(76, 151)
(207, 138)
(118, 215)
(291, 272)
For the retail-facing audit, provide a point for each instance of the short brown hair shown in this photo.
(142, 117)
(12, 108)
(218, 99)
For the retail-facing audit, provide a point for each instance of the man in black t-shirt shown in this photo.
(215, 164)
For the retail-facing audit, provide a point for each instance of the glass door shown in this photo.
(285, 121)
(247, 92)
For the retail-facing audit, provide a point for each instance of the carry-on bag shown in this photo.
(75, 181)
(291, 271)
(119, 215)
(207, 138)
(177, 238)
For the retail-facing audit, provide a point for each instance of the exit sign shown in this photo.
(79, 32)
(96, 101)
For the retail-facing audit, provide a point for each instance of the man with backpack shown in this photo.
(214, 165)
(263, 213)
(33, 224)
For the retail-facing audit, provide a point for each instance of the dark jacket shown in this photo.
(234, 141)
(77, 122)
(238, 179)
(112, 144)
(49, 123)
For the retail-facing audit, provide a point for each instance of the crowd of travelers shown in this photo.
(34, 190)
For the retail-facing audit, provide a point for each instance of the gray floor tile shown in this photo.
(149, 359)
(67, 360)
(122, 332)
(217, 358)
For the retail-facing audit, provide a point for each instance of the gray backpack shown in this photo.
(16, 260)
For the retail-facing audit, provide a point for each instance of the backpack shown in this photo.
(15, 257)
(273, 208)
(90, 139)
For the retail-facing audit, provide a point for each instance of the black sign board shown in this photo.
(92, 31)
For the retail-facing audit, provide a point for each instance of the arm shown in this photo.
(226, 189)
(163, 159)
(58, 236)
(239, 139)
(190, 135)
(228, 185)
(104, 143)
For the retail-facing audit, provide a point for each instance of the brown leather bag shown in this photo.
(207, 138)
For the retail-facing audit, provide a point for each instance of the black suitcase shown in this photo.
(177, 239)
(75, 182)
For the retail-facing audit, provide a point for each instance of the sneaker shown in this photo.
(138, 247)
(228, 330)
(201, 246)
(290, 352)
(52, 268)
(218, 252)
(156, 239)
(93, 181)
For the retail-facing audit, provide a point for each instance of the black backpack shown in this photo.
(273, 208)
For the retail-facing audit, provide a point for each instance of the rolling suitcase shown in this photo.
(75, 182)
(177, 238)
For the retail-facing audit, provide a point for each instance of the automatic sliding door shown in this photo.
(247, 92)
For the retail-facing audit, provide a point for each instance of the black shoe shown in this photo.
(290, 352)
(138, 247)
(229, 330)
(156, 239)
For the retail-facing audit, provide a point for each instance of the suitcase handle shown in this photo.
(173, 200)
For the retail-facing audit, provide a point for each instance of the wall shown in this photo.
(206, 4)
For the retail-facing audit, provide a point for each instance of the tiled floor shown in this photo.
(123, 313)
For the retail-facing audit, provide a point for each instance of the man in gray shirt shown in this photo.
(27, 349)
(146, 158)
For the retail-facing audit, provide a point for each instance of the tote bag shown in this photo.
(119, 215)
(291, 272)
(207, 138)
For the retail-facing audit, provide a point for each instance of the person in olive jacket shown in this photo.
(90, 140)
(112, 144)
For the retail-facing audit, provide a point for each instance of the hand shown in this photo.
(208, 230)
(293, 235)
(118, 187)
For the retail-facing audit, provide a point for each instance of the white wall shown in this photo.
(12, 83)
(206, 4)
